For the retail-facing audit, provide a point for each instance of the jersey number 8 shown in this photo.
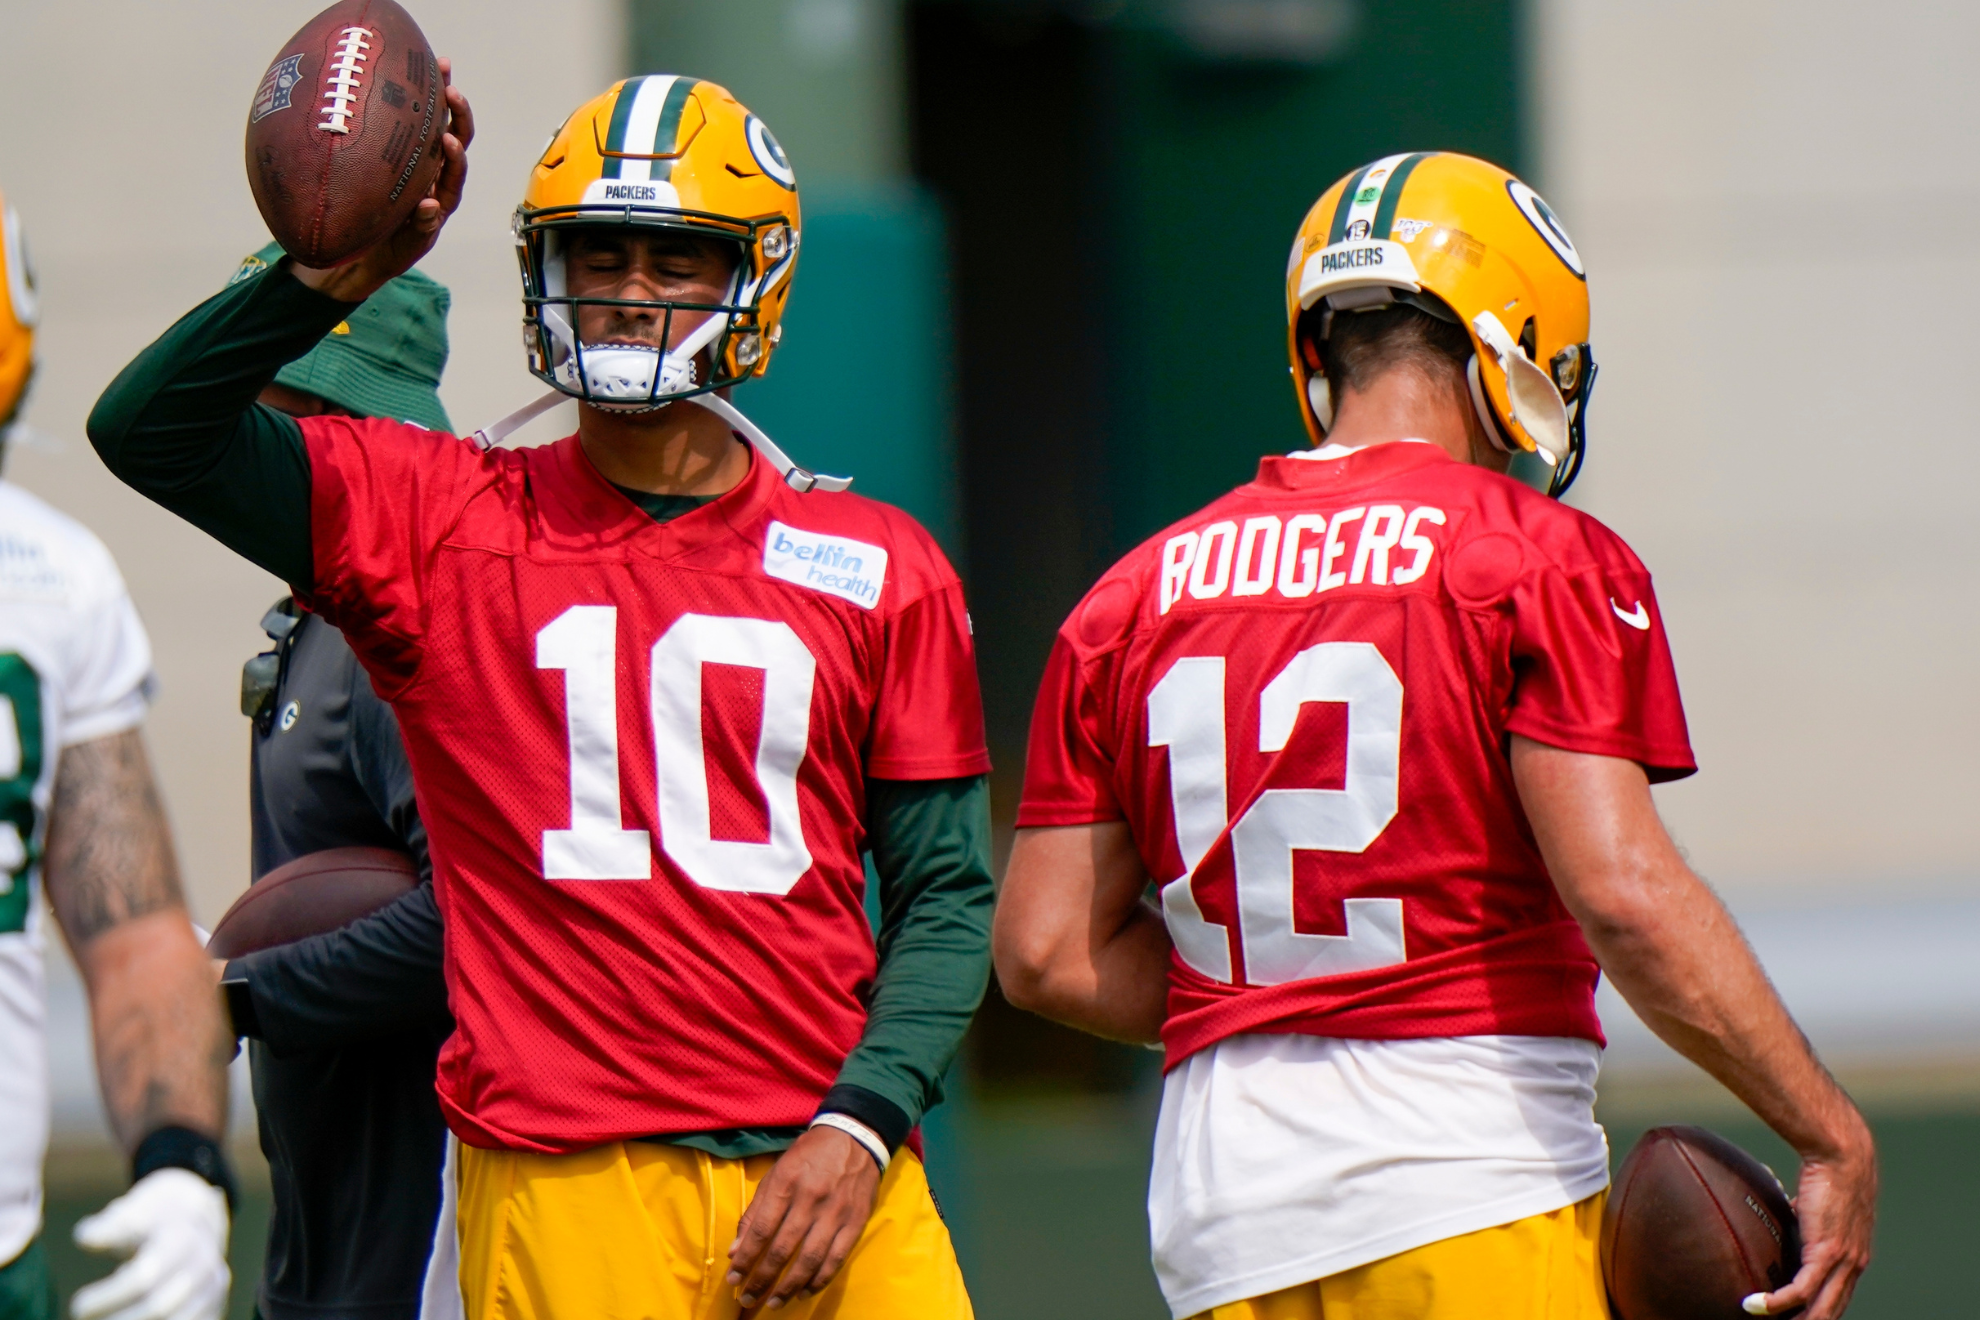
(1186, 715)
(20, 771)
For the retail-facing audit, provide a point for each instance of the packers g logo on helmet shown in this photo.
(1463, 240)
(19, 311)
(660, 152)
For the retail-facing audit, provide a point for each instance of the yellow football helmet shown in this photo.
(19, 311)
(663, 152)
(1465, 241)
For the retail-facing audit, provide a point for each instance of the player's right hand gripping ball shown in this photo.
(343, 138)
(1695, 1226)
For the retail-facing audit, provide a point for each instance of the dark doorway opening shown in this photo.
(1008, 126)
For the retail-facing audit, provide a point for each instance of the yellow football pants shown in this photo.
(1544, 1267)
(636, 1230)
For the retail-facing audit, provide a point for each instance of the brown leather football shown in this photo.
(343, 138)
(1694, 1226)
(312, 895)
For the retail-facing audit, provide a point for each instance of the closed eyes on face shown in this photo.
(649, 266)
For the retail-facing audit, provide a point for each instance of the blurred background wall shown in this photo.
(121, 125)
(125, 243)
(1040, 307)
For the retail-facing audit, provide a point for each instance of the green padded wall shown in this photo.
(859, 385)
(1214, 166)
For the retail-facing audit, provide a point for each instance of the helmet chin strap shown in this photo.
(797, 478)
(493, 434)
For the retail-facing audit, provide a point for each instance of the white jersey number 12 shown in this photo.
(1186, 715)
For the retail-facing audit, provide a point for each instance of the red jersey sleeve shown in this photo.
(928, 723)
(1592, 666)
(1068, 775)
(383, 496)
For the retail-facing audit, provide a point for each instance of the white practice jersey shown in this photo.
(74, 665)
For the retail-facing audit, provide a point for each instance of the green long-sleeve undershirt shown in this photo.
(182, 426)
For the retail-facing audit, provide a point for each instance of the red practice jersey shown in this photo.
(1300, 700)
(641, 752)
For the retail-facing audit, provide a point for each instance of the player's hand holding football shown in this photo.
(400, 251)
(805, 1219)
(1837, 1208)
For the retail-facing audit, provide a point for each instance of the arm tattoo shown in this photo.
(109, 852)
(161, 1044)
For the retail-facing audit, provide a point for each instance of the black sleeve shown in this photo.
(181, 426)
(378, 976)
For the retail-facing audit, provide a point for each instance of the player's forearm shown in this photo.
(1675, 955)
(931, 848)
(111, 879)
(379, 976)
(1118, 990)
(1074, 939)
(161, 1049)
(180, 424)
(1671, 948)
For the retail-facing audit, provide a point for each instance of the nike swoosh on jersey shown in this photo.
(1637, 618)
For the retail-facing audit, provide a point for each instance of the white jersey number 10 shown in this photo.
(583, 641)
(1186, 715)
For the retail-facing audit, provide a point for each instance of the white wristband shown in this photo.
(859, 1132)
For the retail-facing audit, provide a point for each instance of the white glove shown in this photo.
(172, 1226)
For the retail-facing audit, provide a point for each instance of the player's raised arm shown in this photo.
(1676, 955)
(181, 425)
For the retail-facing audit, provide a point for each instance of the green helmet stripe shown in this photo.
(646, 121)
(1392, 191)
(1338, 230)
(669, 128)
(615, 136)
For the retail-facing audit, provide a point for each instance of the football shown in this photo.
(1694, 1226)
(312, 895)
(343, 138)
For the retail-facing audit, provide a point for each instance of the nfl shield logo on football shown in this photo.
(273, 94)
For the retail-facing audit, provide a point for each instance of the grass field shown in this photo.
(1048, 1207)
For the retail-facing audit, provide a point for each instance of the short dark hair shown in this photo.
(1362, 346)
